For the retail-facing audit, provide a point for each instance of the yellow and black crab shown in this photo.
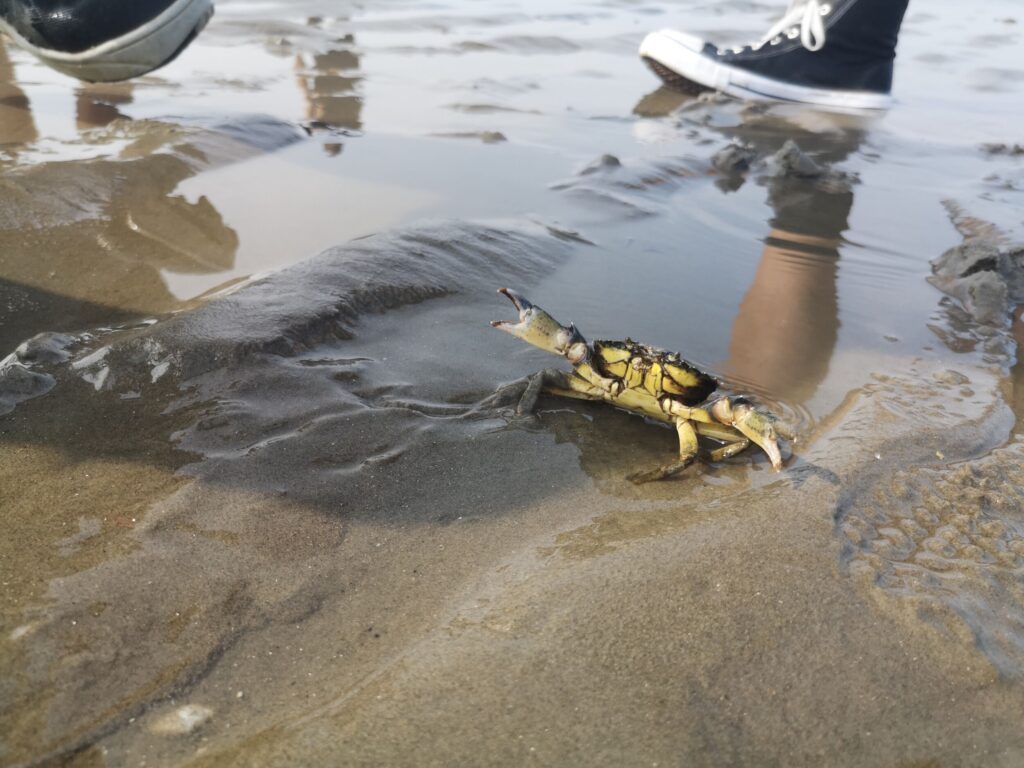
(652, 382)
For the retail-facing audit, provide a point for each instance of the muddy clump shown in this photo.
(984, 273)
(1004, 150)
(19, 383)
(788, 165)
(734, 158)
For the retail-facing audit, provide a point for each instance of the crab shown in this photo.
(645, 380)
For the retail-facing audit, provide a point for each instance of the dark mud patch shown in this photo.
(489, 109)
(629, 190)
(522, 44)
(322, 299)
(19, 383)
(1003, 150)
(487, 137)
(323, 417)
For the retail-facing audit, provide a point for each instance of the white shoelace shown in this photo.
(805, 18)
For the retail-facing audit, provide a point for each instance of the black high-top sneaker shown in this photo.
(833, 53)
(104, 40)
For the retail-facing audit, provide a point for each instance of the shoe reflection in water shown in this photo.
(16, 125)
(104, 41)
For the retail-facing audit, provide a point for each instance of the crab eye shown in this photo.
(576, 352)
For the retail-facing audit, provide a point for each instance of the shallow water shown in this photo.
(268, 483)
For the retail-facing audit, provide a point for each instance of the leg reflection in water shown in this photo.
(96, 104)
(788, 322)
(330, 83)
(1017, 373)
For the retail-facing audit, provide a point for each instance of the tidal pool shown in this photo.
(256, 512)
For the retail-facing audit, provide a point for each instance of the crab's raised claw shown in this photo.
(540, 329)
(758, 426)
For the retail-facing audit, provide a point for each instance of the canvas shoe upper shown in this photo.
(103, 40)
(838, 53)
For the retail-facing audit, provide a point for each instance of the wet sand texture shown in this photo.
(262, 509)
(263, 328)
(346, 532)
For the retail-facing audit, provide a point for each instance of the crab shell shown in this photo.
(646, 380)
(655, 371)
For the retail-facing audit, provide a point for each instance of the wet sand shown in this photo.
(261, 508)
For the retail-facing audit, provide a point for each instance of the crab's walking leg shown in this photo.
(677, 409)
(556, 382)
(687, 453)
(734, 441)
(759, 427)
(534, 386)
(738, 413)
(729, 450)
(585, 372)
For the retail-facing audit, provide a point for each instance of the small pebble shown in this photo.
(182, 720)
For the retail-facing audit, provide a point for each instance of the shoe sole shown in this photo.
(669, 56)
(142, 50)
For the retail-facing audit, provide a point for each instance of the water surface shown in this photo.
(264, 479)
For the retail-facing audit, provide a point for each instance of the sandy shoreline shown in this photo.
(258, 509)
(338, 585)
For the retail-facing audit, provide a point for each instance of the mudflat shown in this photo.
(259, 507)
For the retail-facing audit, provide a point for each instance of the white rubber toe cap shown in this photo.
(657, 40)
